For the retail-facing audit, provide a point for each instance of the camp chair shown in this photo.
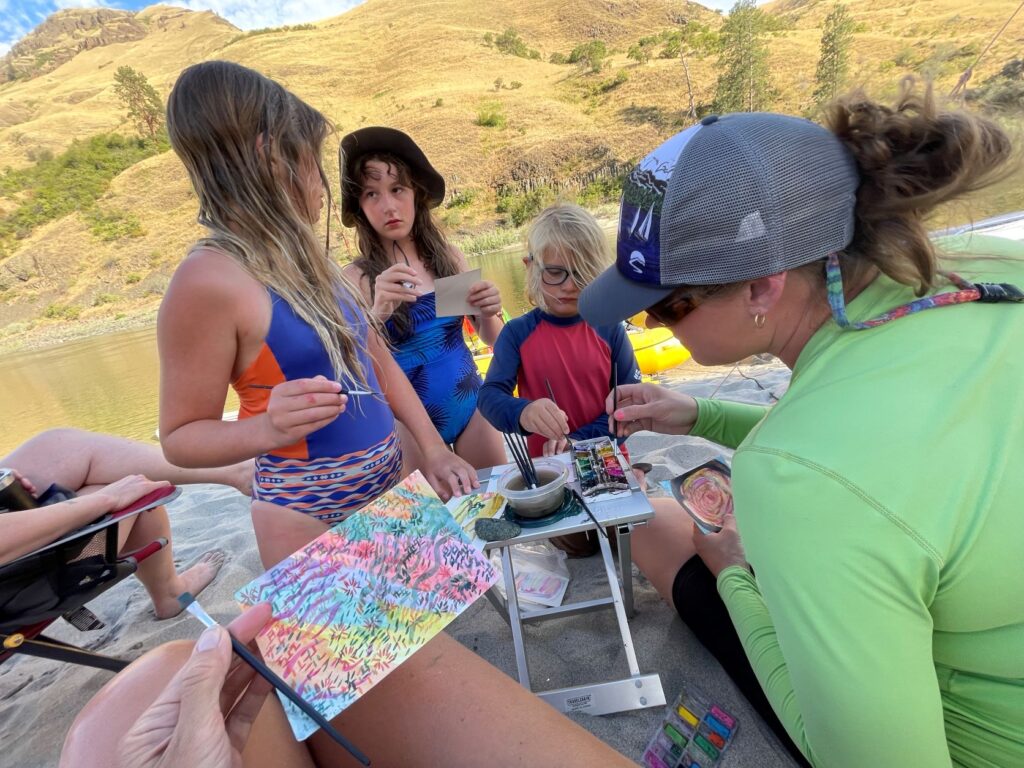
(60, 578)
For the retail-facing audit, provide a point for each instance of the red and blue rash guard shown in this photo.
(572, 355)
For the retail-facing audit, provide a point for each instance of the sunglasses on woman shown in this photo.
(680, 303)
(556, 275)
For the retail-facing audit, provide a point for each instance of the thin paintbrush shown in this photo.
(517, 456)
(190, 604)
(525, 450)
(551, 394)
(615, 400)
(579, 498)
(349, 392)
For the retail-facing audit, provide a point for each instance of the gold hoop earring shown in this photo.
(759, 320)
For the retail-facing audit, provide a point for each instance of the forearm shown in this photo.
(724, 422)
(27, 530)
(501, 409)
(757, 634)
(216, 443)
(489, 328)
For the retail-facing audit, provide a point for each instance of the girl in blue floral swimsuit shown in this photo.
(387, 190)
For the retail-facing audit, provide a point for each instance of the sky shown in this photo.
(19, 17)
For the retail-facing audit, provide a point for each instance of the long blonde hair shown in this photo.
(568, 230)
(243, 140)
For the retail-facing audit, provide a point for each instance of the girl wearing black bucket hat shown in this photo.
(387, 190)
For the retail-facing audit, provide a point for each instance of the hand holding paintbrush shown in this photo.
(190, 604)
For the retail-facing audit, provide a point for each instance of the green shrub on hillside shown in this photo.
(71, 181)
(491, 116)
(511, 43)
(521, 207)
(62, 312)
(113, 225)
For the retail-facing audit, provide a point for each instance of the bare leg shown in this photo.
(156, 572)
(480, 444)
(93, 739)
(446, 706)
(75, 458)
(662, 546)
(280, 531)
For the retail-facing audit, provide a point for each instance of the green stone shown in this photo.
(490, 529)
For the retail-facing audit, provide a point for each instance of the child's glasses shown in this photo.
(557, 275)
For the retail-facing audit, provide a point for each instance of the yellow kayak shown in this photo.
(656, 350)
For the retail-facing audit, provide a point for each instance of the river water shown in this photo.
(110, 383)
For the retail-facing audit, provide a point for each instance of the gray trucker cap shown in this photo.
(732, 198)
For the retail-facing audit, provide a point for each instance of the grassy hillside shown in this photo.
(492, 122)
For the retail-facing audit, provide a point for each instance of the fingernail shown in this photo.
(620, 414)
(209, 640)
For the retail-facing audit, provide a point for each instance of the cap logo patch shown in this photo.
(751, 228)
(638, 252)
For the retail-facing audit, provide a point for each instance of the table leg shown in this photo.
(626, 567)
(620, 611)
(514, 620)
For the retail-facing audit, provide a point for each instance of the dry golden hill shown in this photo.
(427, 69)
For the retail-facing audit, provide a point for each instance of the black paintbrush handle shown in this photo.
(267, 674)
(579, 498)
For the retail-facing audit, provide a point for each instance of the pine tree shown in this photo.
(835, 54)
(745, 82)
(140, 99)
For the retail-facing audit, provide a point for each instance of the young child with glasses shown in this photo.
(561, 364)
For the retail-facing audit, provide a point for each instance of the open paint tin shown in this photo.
(705, 492)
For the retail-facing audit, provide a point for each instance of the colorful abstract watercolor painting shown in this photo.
(356, 602)
(466, 510)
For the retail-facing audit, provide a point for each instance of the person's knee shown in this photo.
(97, 729)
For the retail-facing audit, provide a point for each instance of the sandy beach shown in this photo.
(39, 699)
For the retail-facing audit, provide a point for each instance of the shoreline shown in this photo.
(50, 335)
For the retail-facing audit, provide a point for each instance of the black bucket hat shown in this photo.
(389, 141)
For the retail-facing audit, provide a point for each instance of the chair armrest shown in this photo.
(150, 500)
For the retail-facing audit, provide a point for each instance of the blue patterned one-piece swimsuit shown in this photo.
(439, 365)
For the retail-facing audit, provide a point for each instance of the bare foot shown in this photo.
(194, 579)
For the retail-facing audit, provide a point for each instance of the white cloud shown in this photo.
(26, 15)
(256, 14)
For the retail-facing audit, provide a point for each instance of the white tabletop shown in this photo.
(627, 508)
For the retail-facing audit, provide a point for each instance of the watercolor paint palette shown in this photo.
(599, 467)
(696, 733)
(705, 492)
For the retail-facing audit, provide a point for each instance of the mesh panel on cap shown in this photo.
(754, 195)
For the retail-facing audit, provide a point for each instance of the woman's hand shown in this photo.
(128, 490)
(397, 284)
(651, 407)
(203, 717)
(25, 483)
(449, 475)
(302, 406)
(485, 297)
(543, 417)
(720, 550)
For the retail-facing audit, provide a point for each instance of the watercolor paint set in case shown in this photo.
(695, 734)
(599, 467)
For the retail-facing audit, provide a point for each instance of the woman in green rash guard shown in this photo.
(880, 503)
